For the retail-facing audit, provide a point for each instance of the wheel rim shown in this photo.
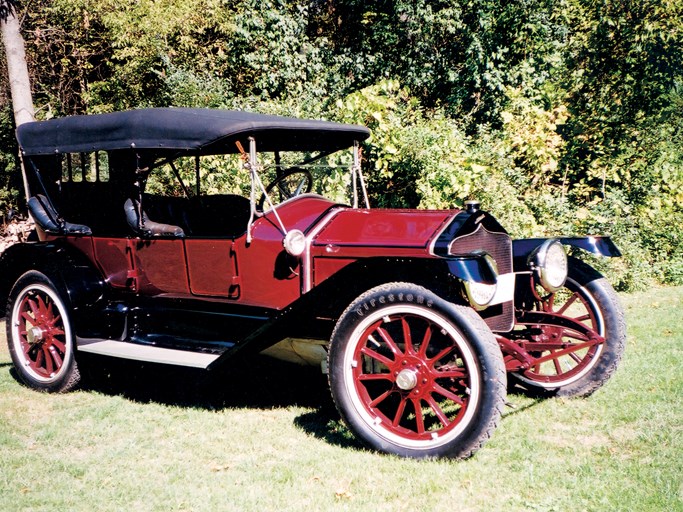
(411, 376)
(565, 355)
(40, 333)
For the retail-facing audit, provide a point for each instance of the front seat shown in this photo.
(141, 225)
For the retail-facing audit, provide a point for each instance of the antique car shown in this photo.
(147, 250)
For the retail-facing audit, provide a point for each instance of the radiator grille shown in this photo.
(499, 245)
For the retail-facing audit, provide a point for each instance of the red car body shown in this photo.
(417, 315)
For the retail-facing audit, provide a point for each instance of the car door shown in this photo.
(212, 267)
(146, 266)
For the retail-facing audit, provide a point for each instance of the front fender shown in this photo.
(473, 267)
(599, 245)
(329, 299)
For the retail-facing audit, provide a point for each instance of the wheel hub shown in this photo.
(34, 335)
(407, 379)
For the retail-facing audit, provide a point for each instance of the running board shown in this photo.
(148, 353)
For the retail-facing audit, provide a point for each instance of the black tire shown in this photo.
(39, 335)
(594, 303)
(414, 375)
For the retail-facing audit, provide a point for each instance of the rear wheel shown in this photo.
(39, 335)
(575, 361)
(415, 375)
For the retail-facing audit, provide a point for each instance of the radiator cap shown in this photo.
(472, 206)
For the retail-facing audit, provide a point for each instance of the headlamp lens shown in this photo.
(551, 265)
(295, 243)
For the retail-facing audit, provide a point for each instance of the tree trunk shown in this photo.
(17, 69)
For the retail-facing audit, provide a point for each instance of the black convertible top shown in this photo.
(168, 130)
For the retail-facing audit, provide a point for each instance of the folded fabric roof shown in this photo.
(169, 130)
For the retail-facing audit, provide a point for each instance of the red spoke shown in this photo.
(57, 332)
(419, 420)
(25, 315)
(441, 354)
(375, 376)
(49, 366)
(27, 348)
(379, 357)
(577, 336)
(454, 374)
(54, 320)
(388, 340)
(583, 318)
(42, 307)
(58, 345)
(566, 351)
(56, 357)
(399, 412)
(448, 394)
(380, 398)
(574, 357)
(558, 366)
(425, 342)
(34, 307)
(48, 309)
(407, 336)
(438, 411)
(569, 302)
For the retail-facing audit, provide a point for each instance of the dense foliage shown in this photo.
(561, 116)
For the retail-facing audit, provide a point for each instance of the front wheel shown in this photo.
(574, 361)
(39, 335)
(414, 375)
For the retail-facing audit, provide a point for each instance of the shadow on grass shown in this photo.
(256, 382)
(325, 424)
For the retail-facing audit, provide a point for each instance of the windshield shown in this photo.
(191, 176)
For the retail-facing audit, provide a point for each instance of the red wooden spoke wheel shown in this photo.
(576, 361)
(564, 355)
(39, 335)
(411, 374)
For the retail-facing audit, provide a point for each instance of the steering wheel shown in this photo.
(292, 182)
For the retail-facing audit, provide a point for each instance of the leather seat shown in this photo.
(49, 220)
(144, 226)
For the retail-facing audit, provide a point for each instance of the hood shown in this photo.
(383, 228)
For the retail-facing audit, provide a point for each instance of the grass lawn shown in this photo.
(149, 438)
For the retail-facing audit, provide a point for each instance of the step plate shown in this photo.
(148, 353)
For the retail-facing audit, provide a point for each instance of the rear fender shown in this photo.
(65, 266)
